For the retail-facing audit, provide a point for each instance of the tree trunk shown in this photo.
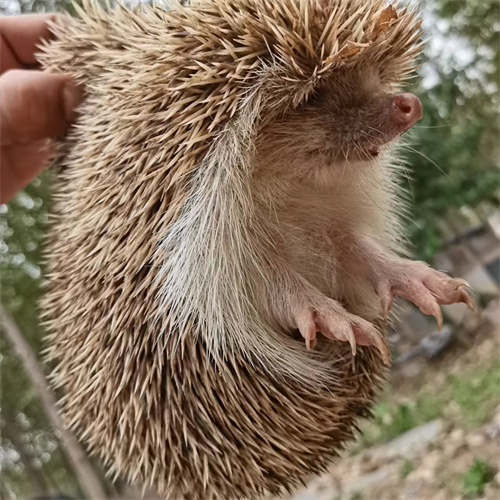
(10, 431)
(89, 480)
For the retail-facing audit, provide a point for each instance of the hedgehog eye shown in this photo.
(317, 98)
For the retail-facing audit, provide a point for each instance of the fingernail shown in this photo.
(72, 97)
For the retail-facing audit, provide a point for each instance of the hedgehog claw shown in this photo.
(373, 338)
(386, 299)
(461, 282)
(387, 306)
(424, 287)
(308, 329)
(352, 340)
(438, 314)
(335, 323)
(466, 299)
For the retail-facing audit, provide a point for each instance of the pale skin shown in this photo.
(35, 107)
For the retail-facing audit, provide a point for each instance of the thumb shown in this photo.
(35, 105)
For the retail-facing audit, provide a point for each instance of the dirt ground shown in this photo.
(449, 413)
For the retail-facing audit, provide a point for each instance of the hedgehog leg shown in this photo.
(423, 286)
(336, 323)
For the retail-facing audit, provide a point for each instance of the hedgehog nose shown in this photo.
(408, 109)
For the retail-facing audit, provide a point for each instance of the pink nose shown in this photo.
(407, 109)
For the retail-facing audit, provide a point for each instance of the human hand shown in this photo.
(34, 106)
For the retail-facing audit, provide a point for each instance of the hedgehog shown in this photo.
(226, 237)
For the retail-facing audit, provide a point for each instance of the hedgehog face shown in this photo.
(353, 122)
(350, 119)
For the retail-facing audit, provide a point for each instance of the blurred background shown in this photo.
(436, 431)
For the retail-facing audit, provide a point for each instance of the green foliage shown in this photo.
(452, 165)
(356, 496)
(391, 420)
(407, 466)
(401, 420)
(477, 20)
(22, 231)
(454, 156)
(472, 397)
(11, 7)
(476, 478)
(476, 395)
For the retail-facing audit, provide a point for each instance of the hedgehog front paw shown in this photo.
(335, 323)
(423, 286)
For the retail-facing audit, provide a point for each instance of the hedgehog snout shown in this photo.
(400, 112)
(407, 110)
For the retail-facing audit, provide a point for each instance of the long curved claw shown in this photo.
(386, 299)
(369, 335)
(428, 305)
(467, 299)
(387, 306)
(307, 328)
(464, 295)
(311, 344)
(426, 300)
(352, 340)
(438, 314)
(461, 282)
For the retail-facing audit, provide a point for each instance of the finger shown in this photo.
(20, 36)
(34, 105)
(8, 59)
(20, 164)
